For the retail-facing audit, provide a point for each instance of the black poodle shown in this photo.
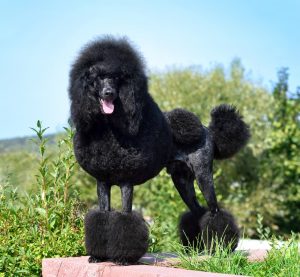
(123, 138)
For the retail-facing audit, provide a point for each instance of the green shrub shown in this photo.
(45, 223)
(280, 161)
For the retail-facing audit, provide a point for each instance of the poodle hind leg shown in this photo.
(217, 225)
(183, 180)
(189, 227)
(201, 162)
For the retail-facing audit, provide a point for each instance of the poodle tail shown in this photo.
(230, 133)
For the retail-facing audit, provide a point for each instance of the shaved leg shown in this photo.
(201, 163)
(183, 180)
(127, 194)
(202, 167)
(103, 191)
(206, 185)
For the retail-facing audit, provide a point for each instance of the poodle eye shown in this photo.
(93, 70)
(116, 79)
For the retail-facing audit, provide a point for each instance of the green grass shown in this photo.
(282, 260)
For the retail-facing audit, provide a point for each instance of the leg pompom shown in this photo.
(204, 232)
(219, 228)
(115, 236)
(189, 229)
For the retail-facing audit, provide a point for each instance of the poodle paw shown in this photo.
(93, 259)
(123, 263)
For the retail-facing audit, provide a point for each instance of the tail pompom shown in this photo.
(230, 133)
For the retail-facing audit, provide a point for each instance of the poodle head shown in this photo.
(107, 80)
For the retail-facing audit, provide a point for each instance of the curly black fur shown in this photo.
(189, 229)
(186, 127)
(123, 138)
(109, 58)
(132, 144)
(222, 226)
(230, 133)
(115, 236)
(208, 230)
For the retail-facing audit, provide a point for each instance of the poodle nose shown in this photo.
(108, 92)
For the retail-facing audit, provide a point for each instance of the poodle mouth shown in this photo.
(107, 106)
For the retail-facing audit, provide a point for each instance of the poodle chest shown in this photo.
(110, 160)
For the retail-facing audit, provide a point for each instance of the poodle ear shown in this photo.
(132, 96)
(82, 107)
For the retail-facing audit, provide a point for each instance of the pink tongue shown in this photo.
(108, 106)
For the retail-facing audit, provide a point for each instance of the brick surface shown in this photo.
(79, 267)
(152, 265)
(256, 255)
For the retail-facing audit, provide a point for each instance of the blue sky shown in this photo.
(40, 40)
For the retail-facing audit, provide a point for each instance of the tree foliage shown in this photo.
(281, 160)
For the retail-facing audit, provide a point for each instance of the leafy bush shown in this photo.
(280, 162)
(43, 224)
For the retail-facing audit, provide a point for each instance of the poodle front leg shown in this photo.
(127, 194)
(103, 191)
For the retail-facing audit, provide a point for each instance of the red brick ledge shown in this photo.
(79, 267)
(153, 265)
